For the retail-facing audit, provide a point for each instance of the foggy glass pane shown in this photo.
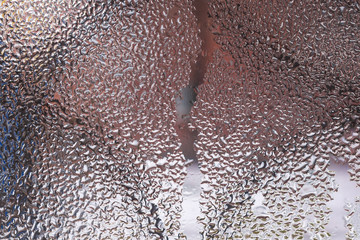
(179, 119)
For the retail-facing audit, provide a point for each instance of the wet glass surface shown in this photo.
(179, 119)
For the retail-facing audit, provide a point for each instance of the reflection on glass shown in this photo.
(178, 119)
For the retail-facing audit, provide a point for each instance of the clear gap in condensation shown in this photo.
(192, 185)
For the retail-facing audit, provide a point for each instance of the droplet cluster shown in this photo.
(99, 157)
(280, 102)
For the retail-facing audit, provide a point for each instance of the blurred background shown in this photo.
(178, 119)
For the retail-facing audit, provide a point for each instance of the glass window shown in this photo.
(172, 119)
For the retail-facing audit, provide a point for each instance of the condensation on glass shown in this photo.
(93, 140)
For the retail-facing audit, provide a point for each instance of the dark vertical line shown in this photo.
(198, 70)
